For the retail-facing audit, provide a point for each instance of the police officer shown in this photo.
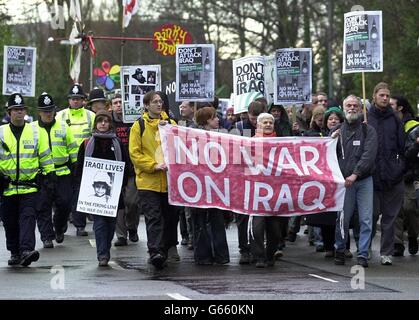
(24, 151)
(64, 154)
(80, 120)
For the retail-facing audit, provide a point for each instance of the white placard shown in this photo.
(136, 81)
(19, 70)
(195, 72)
(100, 186)
(248, 81)
(363, 42)
(292, 82)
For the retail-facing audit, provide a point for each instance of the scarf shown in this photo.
(110, 135)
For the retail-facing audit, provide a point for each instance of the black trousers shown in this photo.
(161, 221)
(242, 221)
(61, 197)
(260, 225)
(19, 219)
(328, 235)
(210, 240)
(79, 218)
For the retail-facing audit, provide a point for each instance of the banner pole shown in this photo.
(364, 109)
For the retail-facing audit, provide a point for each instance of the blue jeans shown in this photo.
(361, 194)
(104, 228)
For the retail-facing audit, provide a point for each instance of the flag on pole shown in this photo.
(131, 7)
(75, 12)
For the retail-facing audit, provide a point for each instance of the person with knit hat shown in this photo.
(64, 150)
(326, 221)
(104, 144)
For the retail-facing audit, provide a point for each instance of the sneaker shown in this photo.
(413, 245)
(398, 250)
(362, 262)
(245, 258)
(330, 254)
(158, 260)
(386, 261)
(59, 237)
(81, 232)
(190, 245)
(28, 257)
(103, 262)
(120, 242)
(278, 254)
(48, 244)
(348, 254)
(339, 258)
(184, 241)
(133, 235)
(14, 259)
(222, 261)
(173, 255)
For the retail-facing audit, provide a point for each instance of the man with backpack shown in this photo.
(151, 180)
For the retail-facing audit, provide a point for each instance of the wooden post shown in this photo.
(364, 109)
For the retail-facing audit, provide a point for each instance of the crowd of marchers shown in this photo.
(41, 169)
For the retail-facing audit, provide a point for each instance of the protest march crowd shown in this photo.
(42, 167)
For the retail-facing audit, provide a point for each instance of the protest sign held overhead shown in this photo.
(136, 81)
(363, 42)
(269, 78)
(293, 73)
(19, 70)
(275, 176)
(249, 81)
(195, 72)
(100, 186)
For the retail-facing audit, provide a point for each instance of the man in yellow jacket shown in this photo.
(151, 180)
(24, 154)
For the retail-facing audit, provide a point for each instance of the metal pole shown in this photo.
(91, 72)
(329, 48)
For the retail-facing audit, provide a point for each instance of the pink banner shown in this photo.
(261, 176)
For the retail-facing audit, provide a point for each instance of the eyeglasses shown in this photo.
(156, 102)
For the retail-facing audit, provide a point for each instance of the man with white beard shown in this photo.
(357, 149)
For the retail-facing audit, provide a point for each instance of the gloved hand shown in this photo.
(73, 168)
(4, 183)
(50, 181)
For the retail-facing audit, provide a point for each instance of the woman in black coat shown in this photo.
(103, 145)
(325, 220)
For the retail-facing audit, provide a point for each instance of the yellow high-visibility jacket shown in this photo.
(80, 121)
(63, 146)
(24, 160)
(145, 152)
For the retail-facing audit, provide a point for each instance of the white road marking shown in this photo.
(327, 279)
(115, 266)
(92, 242)
(177, 296)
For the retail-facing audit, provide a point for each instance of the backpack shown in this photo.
(142, 124)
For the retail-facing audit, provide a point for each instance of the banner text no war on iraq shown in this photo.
(261, 176)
